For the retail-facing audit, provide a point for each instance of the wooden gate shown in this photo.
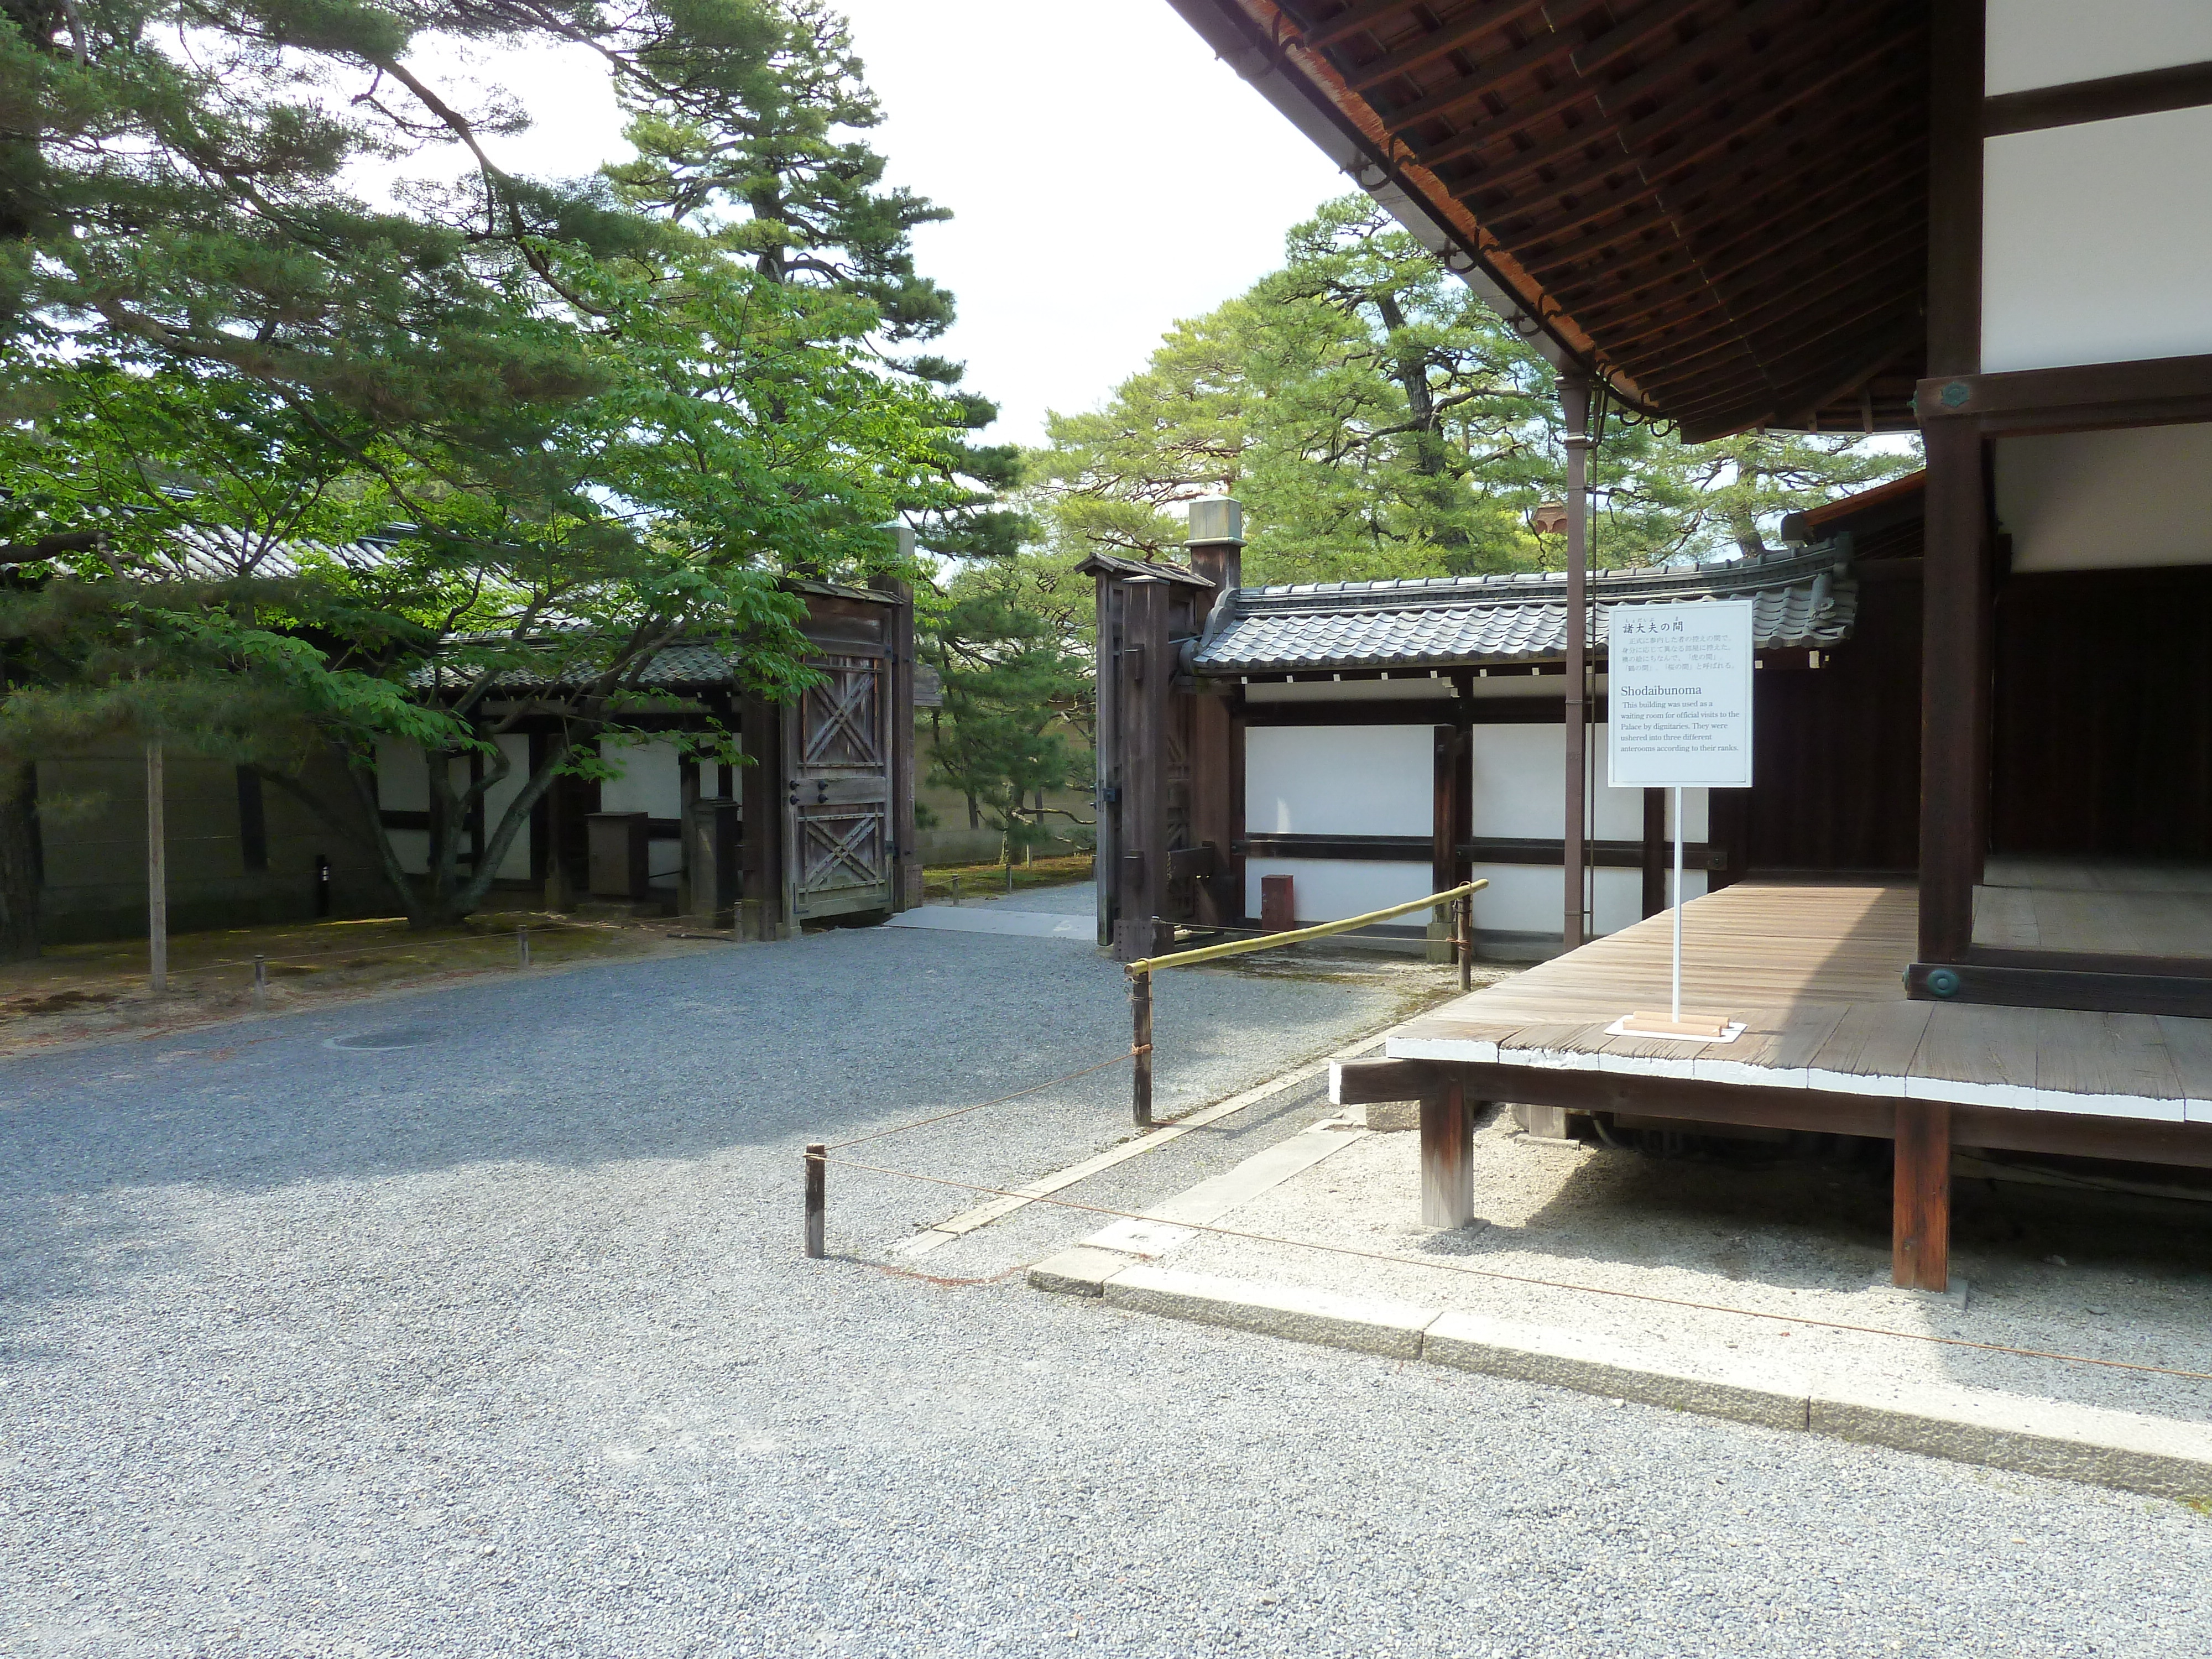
(838, 830)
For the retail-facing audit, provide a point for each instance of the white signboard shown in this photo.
(1680, 698)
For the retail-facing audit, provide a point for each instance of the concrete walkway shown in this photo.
(1064, 912)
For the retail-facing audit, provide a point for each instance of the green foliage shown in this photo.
(1378, 421)
(1010, 637)
(584, 420)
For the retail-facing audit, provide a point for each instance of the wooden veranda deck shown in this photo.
(1831, 1044)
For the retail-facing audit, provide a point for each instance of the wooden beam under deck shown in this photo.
(1815, 973)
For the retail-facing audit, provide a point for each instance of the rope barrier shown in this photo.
(1541, 1284)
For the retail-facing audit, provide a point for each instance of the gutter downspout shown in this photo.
(1574, 405)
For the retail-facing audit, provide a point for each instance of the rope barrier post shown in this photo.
(522, 948)
(1140, 1047)
(1010, 877)
(817, 1157)
(956, 890)
(260, 982)
(1466, 909)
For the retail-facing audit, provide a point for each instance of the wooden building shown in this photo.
(1371, 742)
(1982, 217)
(821, 829)
(818, 826)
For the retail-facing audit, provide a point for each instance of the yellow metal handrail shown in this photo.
(1140, 975)
(1299, 936)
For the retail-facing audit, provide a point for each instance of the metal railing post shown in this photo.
(1140, 1047)
(817, 1156)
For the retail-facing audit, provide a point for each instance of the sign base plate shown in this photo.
(1691, 1028)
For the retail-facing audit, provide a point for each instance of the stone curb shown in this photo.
(2162, 1457)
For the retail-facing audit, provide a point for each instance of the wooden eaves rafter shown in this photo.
(1718, 207)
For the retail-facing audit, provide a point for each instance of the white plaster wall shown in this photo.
(1520, 788)
(1328, 889)
(515, 866)
(2055, 43)
(1530, 898)
(650, 782)
(2099, 500)
(401, 785)
(2096, 239)
(1340, 780)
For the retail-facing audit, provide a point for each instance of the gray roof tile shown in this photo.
(1804, 598)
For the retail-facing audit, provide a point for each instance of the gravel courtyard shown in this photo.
(474, 1322)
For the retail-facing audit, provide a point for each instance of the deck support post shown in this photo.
(1920, 1226)
(1447, 1157)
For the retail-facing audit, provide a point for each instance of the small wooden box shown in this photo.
(1278, 910)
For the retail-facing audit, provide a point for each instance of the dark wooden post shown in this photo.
(1654, 851)
(1466, 907)
(1217, 788)
(688, 881)
(818, 1200)
(1574, 406)
(1920, 1216)
(761, 855)
(1444, 827)
(1447, 1157)
(1143, 675)
(906, 851)
(1140, 1048)
(1954, 709)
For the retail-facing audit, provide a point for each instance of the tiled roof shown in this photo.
(1113, 564)
(1803, 598)
(675, 667)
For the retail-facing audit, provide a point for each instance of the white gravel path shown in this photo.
(502, 1344)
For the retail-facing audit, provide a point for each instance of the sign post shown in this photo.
(1679, 716)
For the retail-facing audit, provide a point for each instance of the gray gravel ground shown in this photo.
(502, 1343)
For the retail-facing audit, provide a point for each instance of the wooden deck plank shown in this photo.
(2188, 1046)
(1871, 1049)
(1776, 1048)
(1974, 1055)
(2122, 1056)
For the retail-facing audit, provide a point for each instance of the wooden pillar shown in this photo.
(1954, 710)
(1954, 705)
(1920, 1216)
(1655, 851)
(1216, 544)
(761, 858)
(906, 850)
(1445, 832)
(1574, 406)
(1144, 674)
(157, 872)
(691, 880)
(1447, 1157)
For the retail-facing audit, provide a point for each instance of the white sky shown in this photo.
(1071, 143)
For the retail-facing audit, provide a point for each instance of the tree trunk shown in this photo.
(19, 865)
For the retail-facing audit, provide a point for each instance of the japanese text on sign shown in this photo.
(1679, 699)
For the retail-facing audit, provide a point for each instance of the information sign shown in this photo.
(1679, 700)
